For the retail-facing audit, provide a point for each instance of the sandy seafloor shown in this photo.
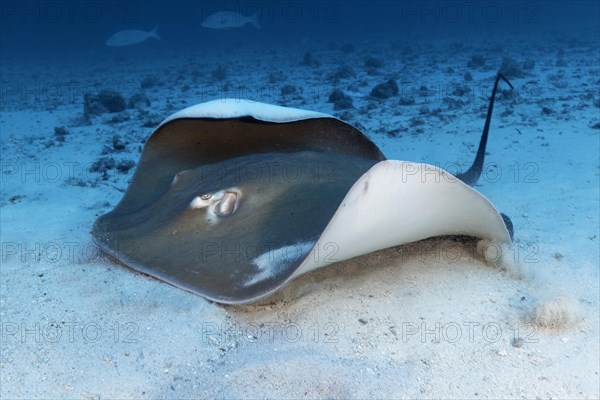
(415, 321)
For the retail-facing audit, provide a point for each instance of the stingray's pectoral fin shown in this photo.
(276, 260)
(399, 202)
(509, 225)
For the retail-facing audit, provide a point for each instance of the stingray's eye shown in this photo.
(206, 196)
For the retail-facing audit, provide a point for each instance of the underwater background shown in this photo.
(76, 26)
(418, 321)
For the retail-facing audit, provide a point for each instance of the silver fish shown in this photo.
(129, 37)
(229, 19)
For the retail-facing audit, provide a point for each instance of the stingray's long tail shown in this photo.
(471, 175)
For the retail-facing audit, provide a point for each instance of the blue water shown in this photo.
(44, 26)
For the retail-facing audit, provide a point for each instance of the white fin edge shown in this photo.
(398, 202)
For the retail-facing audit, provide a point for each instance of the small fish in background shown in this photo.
(229, 19)
(129, 37)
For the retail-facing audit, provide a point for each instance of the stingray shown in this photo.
(232, 199)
